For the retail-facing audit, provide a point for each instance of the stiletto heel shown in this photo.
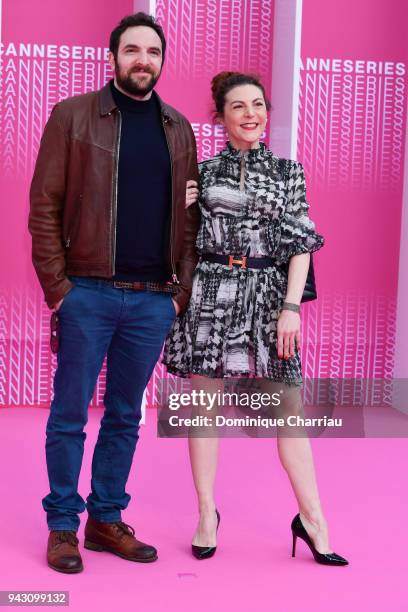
(205, 552)
(294, 544)
(298, 531)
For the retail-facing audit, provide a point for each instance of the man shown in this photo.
(113, 245)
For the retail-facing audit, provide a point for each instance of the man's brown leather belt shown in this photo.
(144, 286)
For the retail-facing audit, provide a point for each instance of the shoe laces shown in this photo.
(124, 528)
(66, 536)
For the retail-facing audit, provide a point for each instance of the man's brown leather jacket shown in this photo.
(73, 195)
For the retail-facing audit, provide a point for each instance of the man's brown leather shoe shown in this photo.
(119, 539)
(62, 552)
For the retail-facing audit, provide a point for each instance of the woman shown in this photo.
(243, 318)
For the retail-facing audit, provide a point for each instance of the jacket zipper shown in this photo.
(173, 267)
(115, 191)
(68, 240)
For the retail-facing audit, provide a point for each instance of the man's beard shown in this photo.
(138, 87)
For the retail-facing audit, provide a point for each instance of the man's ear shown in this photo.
(111, 60)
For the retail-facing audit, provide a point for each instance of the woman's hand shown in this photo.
(191, 193)
(58, 305)
(288, 332)
(176, 306)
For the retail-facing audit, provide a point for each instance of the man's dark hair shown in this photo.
(138, 19)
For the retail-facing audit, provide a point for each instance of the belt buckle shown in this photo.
(232, 261)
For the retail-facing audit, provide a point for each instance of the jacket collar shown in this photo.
(107, 104)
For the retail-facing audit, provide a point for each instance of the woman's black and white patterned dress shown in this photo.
(253, 204)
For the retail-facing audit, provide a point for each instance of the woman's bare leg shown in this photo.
(203, 458)
(296, 457)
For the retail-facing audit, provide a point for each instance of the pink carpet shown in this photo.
(363, 490)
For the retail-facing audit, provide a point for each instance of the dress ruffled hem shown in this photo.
(208, 373)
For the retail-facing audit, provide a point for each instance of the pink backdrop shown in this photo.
(351, 140)
(351, 117)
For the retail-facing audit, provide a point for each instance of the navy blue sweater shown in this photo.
(144, 191)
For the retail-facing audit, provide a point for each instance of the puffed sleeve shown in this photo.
(297, 231)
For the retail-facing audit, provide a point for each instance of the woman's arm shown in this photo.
(297, 275)
(288, 327)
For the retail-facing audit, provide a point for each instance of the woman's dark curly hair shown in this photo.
(223, 82)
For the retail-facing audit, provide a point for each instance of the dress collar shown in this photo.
(250, 155)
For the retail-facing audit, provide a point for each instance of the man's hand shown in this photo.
(288, 331)
(176, 306)
(191, 193)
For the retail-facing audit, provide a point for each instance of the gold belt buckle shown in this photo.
(232, 261)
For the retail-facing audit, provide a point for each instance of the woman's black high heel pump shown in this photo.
(205, 552)
(298, 531)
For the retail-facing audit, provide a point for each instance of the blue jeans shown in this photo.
(129, 327)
